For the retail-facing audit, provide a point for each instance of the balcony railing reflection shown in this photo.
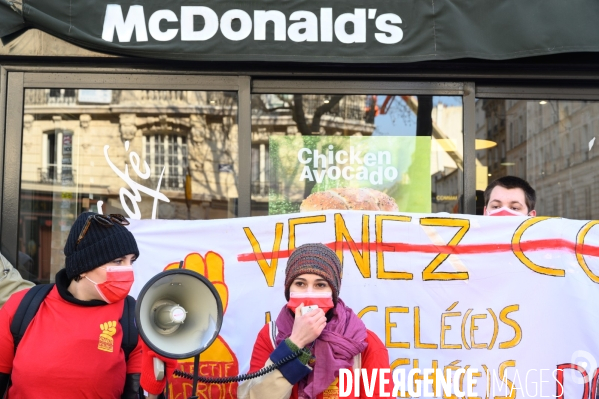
(173, 183)
(176, 183)
(260, 187)
(50, 96)
(70, 97)
(54, 175)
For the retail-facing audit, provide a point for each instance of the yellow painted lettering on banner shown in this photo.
(341, 233)
(462, 380)
(510, 385)
(488, 375)
(475, 375)
(396, 363)
(445, 327)
(417, 376)
(433, 376)
(517, 249)
(580, 244)
(302, 220)
(389, 325)
(429, 272)
(381, 273)
(366, 310)
(512, 323)
(495, 329)
(474, 327)
(464, 319)
(453, 366)
(269, 271)
(402, 361)
(417, 343)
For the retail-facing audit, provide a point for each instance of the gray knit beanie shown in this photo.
(314, 259)
(100, 245)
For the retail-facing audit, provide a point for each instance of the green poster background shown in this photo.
(396, 166)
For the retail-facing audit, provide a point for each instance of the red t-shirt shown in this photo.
(374, 356)
(68, 351)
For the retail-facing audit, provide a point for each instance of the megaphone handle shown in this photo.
(158, 369)
(196, 367)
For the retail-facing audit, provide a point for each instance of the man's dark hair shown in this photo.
(511, 182)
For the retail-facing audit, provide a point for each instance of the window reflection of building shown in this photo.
(260, 169)
(64, 170)
(61, 96)
(517, 140)
(274, 115)
(549, 144)
(167, 156)
(356, 115)
(495, 122)
(445, 172)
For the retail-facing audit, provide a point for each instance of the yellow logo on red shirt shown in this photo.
(332, 392)
(106, 342)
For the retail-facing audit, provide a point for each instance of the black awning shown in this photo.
(346, 31)
(10, 18)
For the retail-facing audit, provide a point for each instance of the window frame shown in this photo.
(557, 90)
(15, 80)
(467, 180)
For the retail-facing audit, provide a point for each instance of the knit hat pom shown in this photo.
(100, 245)
(314, 259)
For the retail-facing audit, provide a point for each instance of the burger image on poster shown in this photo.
(363, 199)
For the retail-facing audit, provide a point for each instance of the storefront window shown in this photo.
(370, 152)
(169, 153)
(549, 143)
(141, 153)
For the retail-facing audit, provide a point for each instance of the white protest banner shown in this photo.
(516, 298)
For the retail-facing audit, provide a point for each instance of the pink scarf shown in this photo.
(343, 338)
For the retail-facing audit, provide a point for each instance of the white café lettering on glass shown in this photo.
(136, 188)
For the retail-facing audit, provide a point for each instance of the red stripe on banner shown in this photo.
(466, 249)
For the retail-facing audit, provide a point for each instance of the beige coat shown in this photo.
(10, 280)
(273, 385)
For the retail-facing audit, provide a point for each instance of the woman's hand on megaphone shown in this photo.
(148, 381)
(306, 328)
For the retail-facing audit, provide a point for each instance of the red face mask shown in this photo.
(503, 211)
(324, 300)
(119, 280)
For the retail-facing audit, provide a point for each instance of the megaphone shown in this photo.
(178, 313)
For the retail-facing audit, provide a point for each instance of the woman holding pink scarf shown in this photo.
(331, 337)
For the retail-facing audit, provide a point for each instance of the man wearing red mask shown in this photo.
(72, 347)
(510, 196)
(331, 335)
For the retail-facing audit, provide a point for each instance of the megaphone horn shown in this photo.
(178, 313)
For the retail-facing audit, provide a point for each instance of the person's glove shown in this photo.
(148, 381)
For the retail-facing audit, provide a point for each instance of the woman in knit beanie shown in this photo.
(72, 348)
(317, 322)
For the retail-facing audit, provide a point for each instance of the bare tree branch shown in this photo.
(258, 102)
(276, 108)
(299, 116)
(424, 120)
(323, 109)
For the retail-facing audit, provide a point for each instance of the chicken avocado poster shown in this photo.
(315, 173)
